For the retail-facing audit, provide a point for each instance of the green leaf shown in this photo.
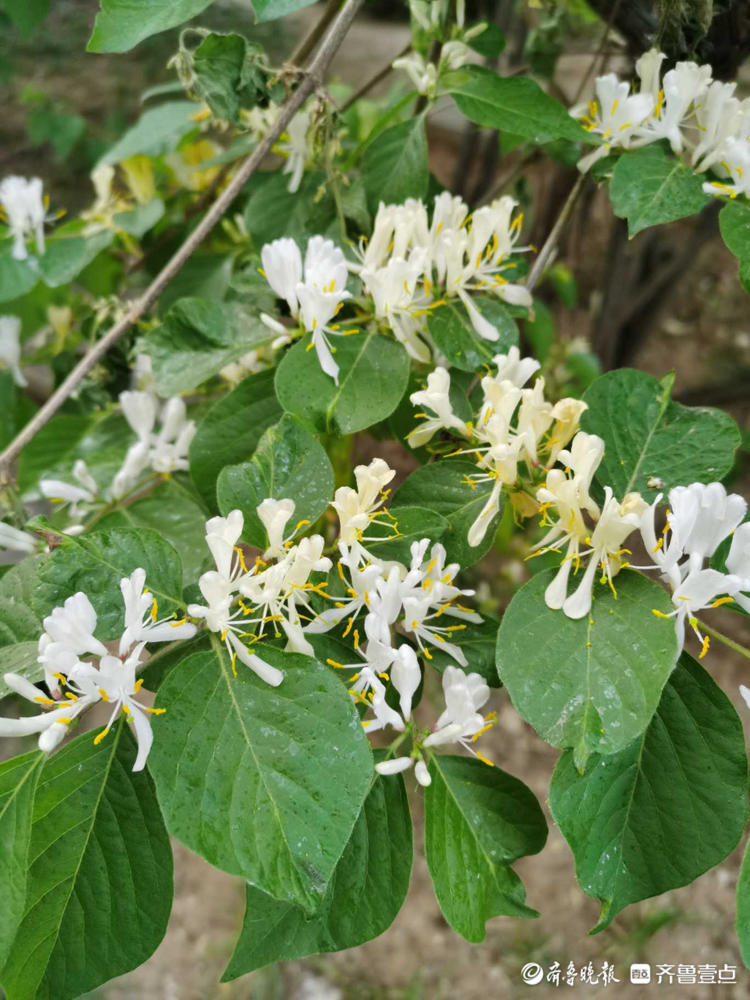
(230, 75)
(394, 164)
(445, 488)
(205, 275)
(52, 448)
(26, 15)
(456, 338)
(373, 378)
(121, 24)
(592, 684)
(18, 622)
(367, 889)
(742, 916)
(66, 256)
(140, 219)
(100, 882)
(157, 131)
(173, 511)
(664, 809)
(478, 644)
(270, 10)
(478, 820)
(288, 463)
(20, 658)
(231, 430)
(514, 104)
(734, 225)
(490, 42)
(273, 210)
(18, 779)
(649, 187)
(264, 782)
(412, 525)
(651, 442)
(95, 563)
(198, 338)
(17, 277)
(20, 626)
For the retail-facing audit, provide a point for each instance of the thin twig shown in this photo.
(600, 53)
(312, 38)
(550, 244)
(374, 80)
(311, 79)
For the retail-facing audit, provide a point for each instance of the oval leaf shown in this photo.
(663, 810)
(653, 443)
(264, 782)
(478, 820)
(591, 684)
(100, 882)
(288, 463)
(373, 378)
(366, 892)
(394, 165)
(456, 338)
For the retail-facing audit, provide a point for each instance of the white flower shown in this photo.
(165, 451)
(357, 509)
(648, 68)
(141, 610)
(295, 147)
(718, 117)
(274, 515)
(169, 447)
(23, 205)
(16, 540)
(10, 347)
(567, 416)
(701, 589)
(397, 301)
(511, 367)
(134, 464)
(316, 299)
(735, 167)
(615, 115)
(616, 522)
(436, 397)
(361, 586)
(461, 722)
(423, 74)
(58, 491)
(701, 517)
(683, 86)
(738, 562)
(51, 725)
(405, 677)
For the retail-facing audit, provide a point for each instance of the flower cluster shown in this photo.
(516, 431)
(243, 605)
(699, 518)
(314, 293)
(80, 670)
(163, 434)
(383, 599)
(697, 115)
(22, 203)
(412, 264)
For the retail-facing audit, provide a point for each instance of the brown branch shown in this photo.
(550, 244)
(311, 79)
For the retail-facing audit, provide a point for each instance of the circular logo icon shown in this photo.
(532, 973)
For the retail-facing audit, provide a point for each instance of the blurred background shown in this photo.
(668, 299)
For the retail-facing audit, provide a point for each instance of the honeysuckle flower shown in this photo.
(566, 414)
(134, 464)
(435, 397)
(421, 621)
(52, 725)
(317, 298)
(405, 677)
(117, 685)
(15, 540)
(361, 587)
(23, 204)
(648, 70)
(423, 74)
(700, 518)
(397, 301)
(58, 491)
(357, 509)
(461, 721)
(615, 115)
(169, 447)
(735, 166)
(295, 148)
(10, 347)
(718, 117)
(616, 522)
(683, 86)
(700, 590)
(274, 515)
(738, 562)
(141, 611)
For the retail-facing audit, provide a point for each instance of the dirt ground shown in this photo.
(705, 335)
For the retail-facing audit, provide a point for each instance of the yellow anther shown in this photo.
(138, 685)
(100, 736)
(484, 760)
(154, 609)
(704, 647)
